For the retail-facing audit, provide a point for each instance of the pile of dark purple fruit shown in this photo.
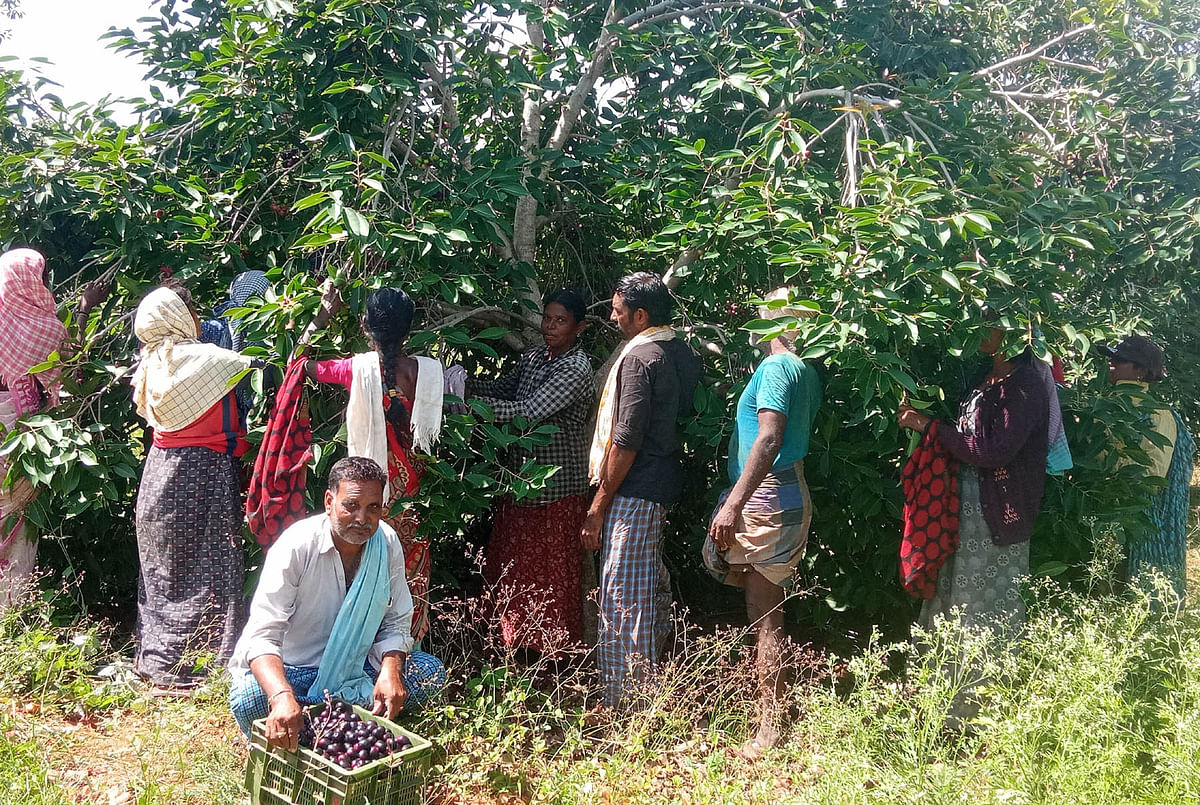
(338, 734)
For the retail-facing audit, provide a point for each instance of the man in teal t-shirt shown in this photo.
(789, 386)
(759, 530)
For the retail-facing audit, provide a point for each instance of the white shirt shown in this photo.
(300, 592)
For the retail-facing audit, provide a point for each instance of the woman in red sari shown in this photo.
(393, 417)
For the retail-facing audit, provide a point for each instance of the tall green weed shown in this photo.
(59, 668)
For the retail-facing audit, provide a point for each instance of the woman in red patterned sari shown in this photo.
(393, 417)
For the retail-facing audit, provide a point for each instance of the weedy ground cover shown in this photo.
(1099, 703)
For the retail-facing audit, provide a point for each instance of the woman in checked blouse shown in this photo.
(533, 557)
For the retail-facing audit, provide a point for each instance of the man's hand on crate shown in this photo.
(286, 716)
(284, 722)
(390, 694)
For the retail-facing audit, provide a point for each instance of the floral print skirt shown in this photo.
(981, 582)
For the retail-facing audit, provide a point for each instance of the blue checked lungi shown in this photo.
(635, 596)
(424, 677)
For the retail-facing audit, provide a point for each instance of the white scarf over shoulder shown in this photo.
(366, 429)
(602, 436)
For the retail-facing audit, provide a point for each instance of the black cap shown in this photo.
(1137, 350)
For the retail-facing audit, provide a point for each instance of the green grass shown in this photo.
(1100, 703)
(23, 771)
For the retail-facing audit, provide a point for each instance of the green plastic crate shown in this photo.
(278, 777)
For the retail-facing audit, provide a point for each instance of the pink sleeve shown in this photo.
(336, 370)
(26, 395)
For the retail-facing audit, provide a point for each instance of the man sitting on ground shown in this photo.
(332, 612)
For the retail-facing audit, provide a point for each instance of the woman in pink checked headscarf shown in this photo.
(29, 332)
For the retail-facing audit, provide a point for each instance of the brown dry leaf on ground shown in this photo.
(104, 761)
(448, 798)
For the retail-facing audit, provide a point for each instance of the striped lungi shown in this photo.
(771, 532)
(635, 596)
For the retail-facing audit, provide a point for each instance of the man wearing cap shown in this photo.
(1135, 363)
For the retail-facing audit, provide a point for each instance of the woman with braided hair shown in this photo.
(393, 417)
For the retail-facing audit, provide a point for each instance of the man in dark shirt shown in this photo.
(635, 459)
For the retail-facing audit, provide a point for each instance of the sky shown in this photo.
(68, 33)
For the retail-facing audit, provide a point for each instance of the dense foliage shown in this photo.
(900, 163)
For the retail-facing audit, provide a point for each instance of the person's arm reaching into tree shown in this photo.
(331, 303)
(564, 388)
(1001, 435)
(503, 387)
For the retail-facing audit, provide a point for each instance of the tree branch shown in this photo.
(701, 8)
(630, 20)
(852, 99)
(283, 173)
(444, 94)
(672, 277)
(517, 338)
(850, 190)
(465, 314)
(1070, 65)
(505, 241)
(525, 215)
(1041, 129)
(392, 127)
(921, 133)
(1060, 96)
(569, 115)
(1035, 53)
(412, 139)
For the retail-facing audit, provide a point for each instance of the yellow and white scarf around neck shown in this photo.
(602, 437)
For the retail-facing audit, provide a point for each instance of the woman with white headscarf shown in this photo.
(188, 515)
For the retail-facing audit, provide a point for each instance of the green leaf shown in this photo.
(491, 333)
(1082, 243)
(310, 201)
(356, 223)
(760, 326)
(980, 221)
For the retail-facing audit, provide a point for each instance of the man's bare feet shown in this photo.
(759, 745)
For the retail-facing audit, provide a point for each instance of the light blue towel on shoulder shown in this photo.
(1058, 452)
(342, 671)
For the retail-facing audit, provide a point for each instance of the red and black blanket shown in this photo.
(930, 482)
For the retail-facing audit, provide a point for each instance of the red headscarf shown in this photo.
(29, 325)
